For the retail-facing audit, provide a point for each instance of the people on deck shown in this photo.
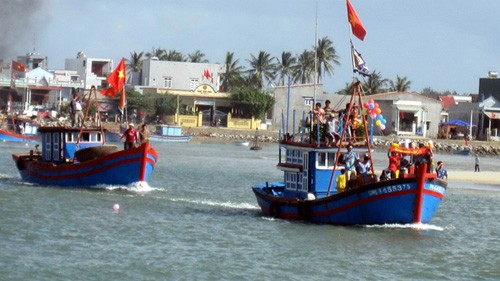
(327, 108)
(332, 137)
(341, 181)
(143, 134)
(364, 167)
(394, 162)
(318, 114)
(350, 158)
(76, 111)
(441, 171)
(130, 136)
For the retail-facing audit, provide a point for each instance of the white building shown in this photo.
(92, 71)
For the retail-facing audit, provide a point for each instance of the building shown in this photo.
(293, 104)
(91, 71)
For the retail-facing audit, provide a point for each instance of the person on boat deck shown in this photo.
(143, 134)
(76, 111)
(350, 158)
(344, 119)
(423, 158)
(319, 113)
(327, 108)
(341, 181)
(394, 160)
(332, 136)
(130, 136)
(364, 167)
(441, 171)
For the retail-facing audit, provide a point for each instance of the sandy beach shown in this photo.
(487, 177)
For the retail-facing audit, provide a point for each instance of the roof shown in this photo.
(447, 101)
(457, 123)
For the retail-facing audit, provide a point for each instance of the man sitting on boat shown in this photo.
(130, 136)
(350, 158)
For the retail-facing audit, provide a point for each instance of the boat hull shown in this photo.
(123, 167)
(15, 137)
(398, 201)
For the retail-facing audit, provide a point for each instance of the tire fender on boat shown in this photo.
(274, 210)
(20, 163)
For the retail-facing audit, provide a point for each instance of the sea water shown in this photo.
(199, 221)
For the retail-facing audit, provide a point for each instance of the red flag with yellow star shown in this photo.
(357, 27)
(116, 80)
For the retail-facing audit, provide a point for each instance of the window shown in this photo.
(325, 160)
(194, 84)
(308, 101)
(167, 82)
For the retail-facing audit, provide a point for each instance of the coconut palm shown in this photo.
(134, 64)
(304, 69)
(173, 55)
(325, 56)
(262, 68)
(231, 78)
(285, 66)
(375, 83)
(402, 84)
(158, 53)
(197, 57)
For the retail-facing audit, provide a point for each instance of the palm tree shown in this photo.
(325, 55)
(134, 64)
(173, 55)
(285, 66)
(262, 68)
(375, 83)
(304, 69)
(159, 53)
(232, 76)
(402, 84)
(197, 56)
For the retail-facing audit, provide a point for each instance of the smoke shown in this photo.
(20, 23)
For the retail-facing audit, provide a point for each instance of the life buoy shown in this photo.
(20, 163)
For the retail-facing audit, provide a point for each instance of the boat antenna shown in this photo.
(315, 66)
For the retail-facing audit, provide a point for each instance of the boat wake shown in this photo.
(140, 186)
(417, 226)
(231, 205)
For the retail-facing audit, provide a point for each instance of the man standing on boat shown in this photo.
(76, 111)
(130, 136)
(350, 158)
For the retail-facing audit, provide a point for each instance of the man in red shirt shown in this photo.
(130, 136)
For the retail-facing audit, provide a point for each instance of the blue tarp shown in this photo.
(458, 123)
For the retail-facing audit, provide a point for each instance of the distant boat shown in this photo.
(20, 130)
(464, 152)
(255, 144)
(169, 133)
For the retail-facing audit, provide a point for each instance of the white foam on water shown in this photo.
(417, 226)
(232, 205)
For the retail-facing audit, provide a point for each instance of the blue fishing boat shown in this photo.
(20, 130)
(80, 157)
(169, 133)
(310, 170)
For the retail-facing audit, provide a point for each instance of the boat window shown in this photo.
(325, 159)
(294, 156)
(48, 146)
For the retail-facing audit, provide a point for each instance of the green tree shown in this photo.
(285, 67)
(252, 102)
(304, 69)
(401, 84)
(375, 83)
(173, 55)
(326, 56)
(158, 53)
(134, 64)
(262, 68)
(197, 57)
(231, 78)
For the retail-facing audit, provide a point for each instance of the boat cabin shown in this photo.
(308, 170)
(168, 130)
(22, 126)
(59, 144)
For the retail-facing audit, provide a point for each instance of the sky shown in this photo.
(444, 45)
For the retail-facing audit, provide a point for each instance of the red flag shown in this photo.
(17, 66)
(121, 104)
(116, 80)
(357, 27)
